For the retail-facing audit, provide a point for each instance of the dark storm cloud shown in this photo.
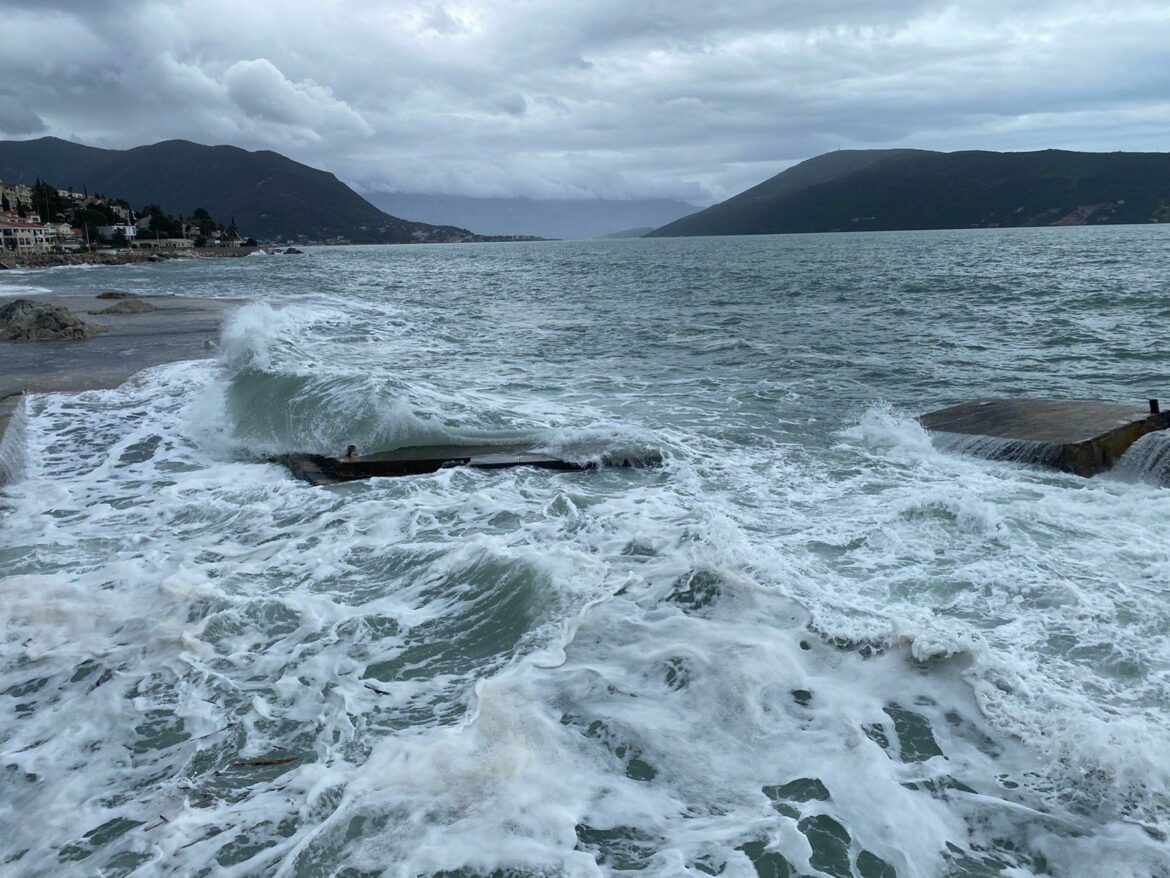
(609, 98)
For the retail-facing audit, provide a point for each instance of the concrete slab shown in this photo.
(180, 329)
(322, 470)
(1085, 437)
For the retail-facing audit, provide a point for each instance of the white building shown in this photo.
(64, 236)
(23, 237)
(106, 233)
(145, 243)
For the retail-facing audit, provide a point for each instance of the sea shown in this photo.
(811, 642)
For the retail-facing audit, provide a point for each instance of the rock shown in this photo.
(293, 251)
(28, 319)
(128, 306)
(115, 294)
(3, 267)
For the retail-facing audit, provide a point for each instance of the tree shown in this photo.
(4, 205)
(118, 239)
(90, 218)
(162, 223)
(20, 211)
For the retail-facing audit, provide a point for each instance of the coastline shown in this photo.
(124, 257)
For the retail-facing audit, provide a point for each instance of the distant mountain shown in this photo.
(558, 218)
(639, 232)
(877, 190)
(270, 196)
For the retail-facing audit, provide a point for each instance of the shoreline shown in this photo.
(124, 257)
(180, 328)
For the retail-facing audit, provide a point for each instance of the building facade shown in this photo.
(106, 233)
(24, 237)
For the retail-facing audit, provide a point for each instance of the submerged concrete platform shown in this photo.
(419, 460)
(1084, 437)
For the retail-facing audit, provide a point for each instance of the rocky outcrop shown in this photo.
(115, 294)
(31, 320)
(128, 305)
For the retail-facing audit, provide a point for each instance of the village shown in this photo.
(42, 220)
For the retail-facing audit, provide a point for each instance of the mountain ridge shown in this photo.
(889, 190)
(268, 194)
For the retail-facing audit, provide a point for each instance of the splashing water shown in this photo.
(1147, 460)
(12, 446)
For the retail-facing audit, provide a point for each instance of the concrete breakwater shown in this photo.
(1085, 437)
(420, 460)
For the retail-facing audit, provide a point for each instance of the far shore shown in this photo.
(120, 257)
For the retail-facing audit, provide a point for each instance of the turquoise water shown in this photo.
(812, 643)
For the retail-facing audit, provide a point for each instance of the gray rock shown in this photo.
(28, 319)
(115, 294)
(128, 306)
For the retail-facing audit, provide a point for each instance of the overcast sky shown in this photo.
(613, 98)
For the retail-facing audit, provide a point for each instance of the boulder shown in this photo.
(115, 294)
(28, 319)
(293, 251)
(132, 305)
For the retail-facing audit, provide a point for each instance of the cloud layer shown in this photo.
(606, 98)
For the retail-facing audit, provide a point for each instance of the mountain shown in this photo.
(270, 196)
(882, 190)
(557, 218)
(637, 232)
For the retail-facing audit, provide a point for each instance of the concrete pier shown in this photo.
(1084, 437)
(321, 470)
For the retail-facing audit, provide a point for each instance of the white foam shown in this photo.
(1147, 460)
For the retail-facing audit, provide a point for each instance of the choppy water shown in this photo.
(812, 643)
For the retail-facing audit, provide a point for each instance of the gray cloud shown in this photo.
(17, 120)
(606, 98)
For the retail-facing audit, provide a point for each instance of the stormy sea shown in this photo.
(811, 642)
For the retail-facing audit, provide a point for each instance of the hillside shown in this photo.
(551, 218)
(884, 190)
(270, 196)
